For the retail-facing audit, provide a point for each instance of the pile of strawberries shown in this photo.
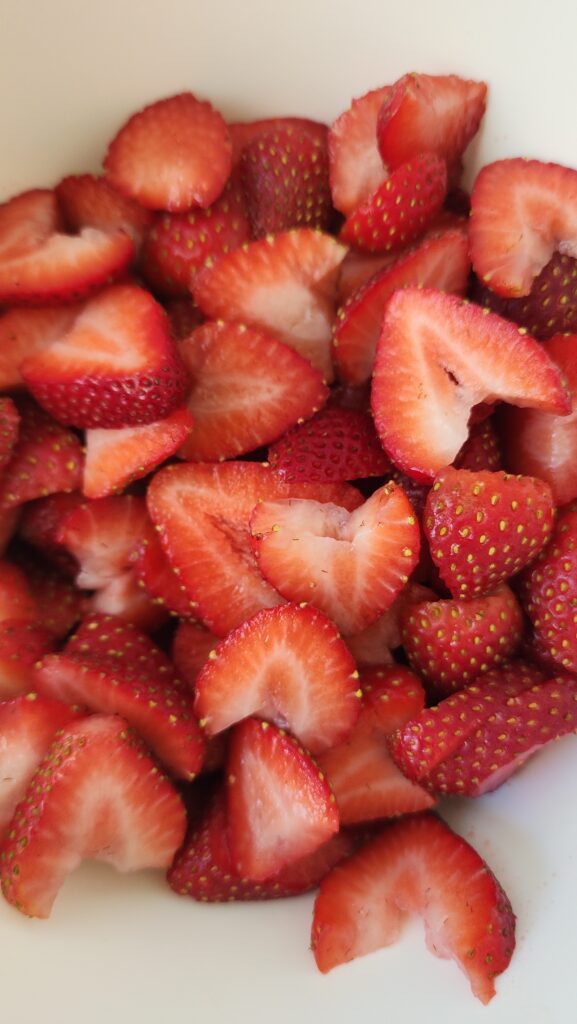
(287, 461)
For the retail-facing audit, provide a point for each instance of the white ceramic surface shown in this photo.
(125, 949)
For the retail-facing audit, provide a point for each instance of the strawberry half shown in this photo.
(244, 133)
(356, 168)
(102, 536)
(173, 154)
(46, 458)
(96, 795)
(550, 307)
(335, 445)
(417, 865)
(287, 665)
(438, 357)
(280, 807)
(117, 366)
(25, 331)
(89, 201)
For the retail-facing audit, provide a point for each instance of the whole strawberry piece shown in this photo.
(336, 444)
(483, 528)
(550, 307)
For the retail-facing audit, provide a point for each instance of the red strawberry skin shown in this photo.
(88, 201)
(22, 645)
(482, 449)
(9, 426)
(550, 308)
(356, 167)
(47, 458)
(392, 694)
(335, 445)
(243, 133)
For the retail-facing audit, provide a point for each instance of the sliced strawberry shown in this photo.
(173, 154)
(482, 449)
(22, 644)
(400, 209)
(202, 514)
(125, 598)
(438, 357)
(9, 427)
(418, 865)
(373, 645)
(358, 268)
(59, 605)
(550, 307)
(350, 566)
(16, 598)
(9, 519)
(522, 211)
(191, 648)
(285, 176)
(356, 167)
(285, 284)
(183, 316)
(430, 114)
(243, 133)
(40, 527)
(39, 264)
(287, 665)
(114, 458)
(116, 367)
(441, 262)
(86, 200)
(156, 576)
(96, 795)
(484, 527)
(102, 535)
(248, 389)
(102, 669)
(336, 444)
(26, 331)
(179, 245)
(27, 726)
(280, 807)
(392, 694)
(46, 458)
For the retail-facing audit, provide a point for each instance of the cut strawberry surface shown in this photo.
(350, 566)
(22, 644)
(287, 665)
(280, 807)
(202, 514)
(335, 445)
(156, 576)
(173, 154)
(441, 262)
(392, 694)
(522, 211)
(438, 357)
(484, 527)
(373, 645)
(125, 598)
(46, 458)
(190, 651)
(102, 536)
(26, 331)
(550, 307)
(430, 114)
(400, 209)
(9, 427)
(86, 200)
(117, 366)
(243, 133)
(96, 795)
(356, 167)
(248, 388)
(285, 284)
(417, 866)
(358, 268)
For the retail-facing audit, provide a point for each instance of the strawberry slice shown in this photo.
(27, 726)
(102, 536)
(550, 307)
(156, 576)
(58, 603)
(22, 644)
(450, 643)
(112, 667)
(356, 167)
(202, 515)
(244, 133)
(522, 211)
(337, 444)
(190, 651)
(39, 264)
(116, 367)
(400, 209)
(46, 458)
(418, 865)
(285, 284)
(86, 200)
(40, 525)
(204, 868)
(173, 154)
(26, 331)
(482, 449)
(280, 807)
(125, 598)
(373, 645)
(484, 527)
(16, 598)
(96, 795)
(285, 177)
(438, 262)
(9, 427)
(392, 694)
(287, 665)
(430, 114)
(438, 357)
(115, 458)
(179, 245)
(248, 389)
(183, 317)
(9, 519)
(358, 268)
(351, 566)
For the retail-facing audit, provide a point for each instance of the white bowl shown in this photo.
(127, 949)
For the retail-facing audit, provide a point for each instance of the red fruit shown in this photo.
(550, 307)
(482, 448)
(88, 201)
(248, 388)
(437, 352)
(26, 331)
(9, 426)
(392, 694)
(173, 154)
(285, 285)
(430, 114)
(356, 168)
(115, 458)
(117, 366)
(400, 209)
(102, 536)
(8, 523)
(417, 865)
(183, 316)
(280, 807)
(350, 566)
(125, 598)
(287, 665)
(16, 598)
(191, 648)
(202, 515)
(179, 245)
(155, 575)
(437, 262)
(46, 458)
(358, 268)
(482, 528)
(96, 795)
(522, 211)
(40, 526)
(243, 133)
(112, 667)
(336, 444)
(22, 644)
(59, 605)
(373, 645)
(285, 176)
